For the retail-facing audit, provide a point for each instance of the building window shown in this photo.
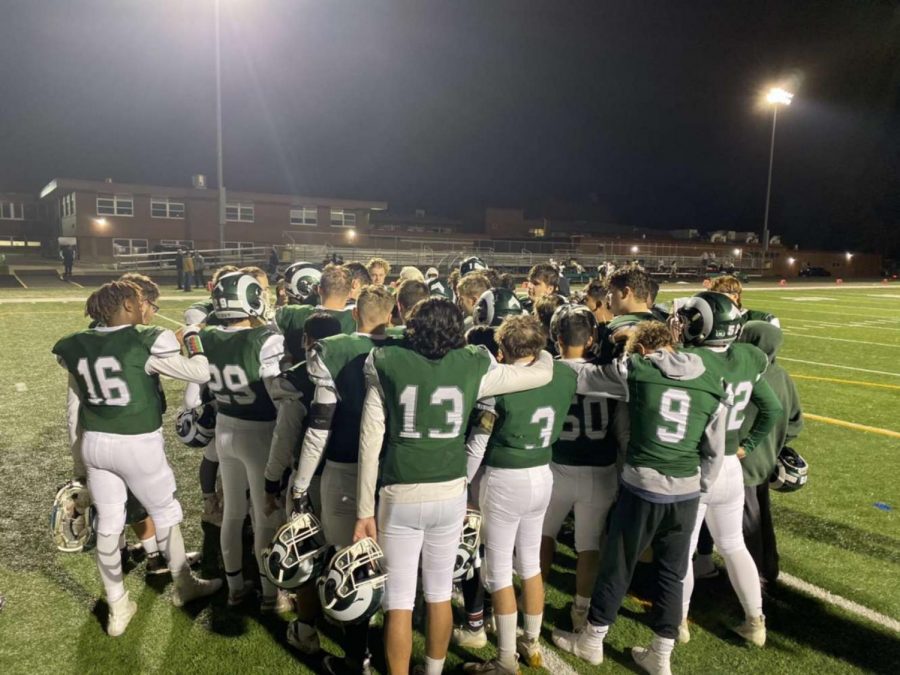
(67, 204)
(239, 212)
(115, 205)
(177, 243)
(304, 215)
(11, 211)
(537, 232)
(163, 207)
(129, 246)
(342, 218)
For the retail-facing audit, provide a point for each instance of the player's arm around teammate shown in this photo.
(122, 443)
(423, 391)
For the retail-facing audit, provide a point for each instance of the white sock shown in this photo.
(506, 639)
(663, 646)
(150, 545)
(581, 602)
(172, 546)
(533, 625)
(433, 666)
(235, 581)
(109, 562)
(594, 635)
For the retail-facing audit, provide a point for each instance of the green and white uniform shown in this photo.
(290, 320)
(201, 312)
(419, 409)
(584, 469)
(517, 482)
(756, 315)
(243, 362)
(607, 347)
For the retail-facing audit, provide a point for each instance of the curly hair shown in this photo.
(222, 271)
(106, 300)
(521, 336)
(149, 289)
(435, 327)
(483, 336)
(651, 335)
(379, 262)
(634, 277)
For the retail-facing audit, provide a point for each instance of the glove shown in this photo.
(301, 501)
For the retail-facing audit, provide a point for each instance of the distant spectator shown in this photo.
(273, 262)
(68, 257)
(673, 270)
(179, 267)
(199, 269)
(410, 272)
(379, 270)
(188, 263)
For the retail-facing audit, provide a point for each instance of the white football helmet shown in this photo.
(352, 585)
(196, 427)
(72, 518)
(469, 541)
(297, 552)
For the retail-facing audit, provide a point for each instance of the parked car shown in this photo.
(814, 272)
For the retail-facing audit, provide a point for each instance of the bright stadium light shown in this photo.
(351, 235)
(849, 256)
(634, 249)
(791, 261)
(737, 252)
(779, 96)
(776, 97)
(101, 222)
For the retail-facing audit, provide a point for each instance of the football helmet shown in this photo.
(791, 471)
(709, 319)
(494, 305)
(469, 541)
(438, 288)
(567, 312)
(238, 296)
(72, 518)
(300, 281)
(196, 427)
(431, 273)
(352, 585)
(297, 552)
(471, 264)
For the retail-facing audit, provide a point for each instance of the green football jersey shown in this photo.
(118, 395)
(338, 361)
(207, 308)
(290, 319)
(585, 439)
(607, 349)
(298, 376)
(756, 315)
(668, 417)
(396, 331)
(741, 366)
(428, 405)
(529, 422)
(235, 361)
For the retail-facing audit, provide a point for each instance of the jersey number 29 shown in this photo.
(230, 385)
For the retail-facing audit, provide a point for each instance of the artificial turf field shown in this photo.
(840, 533)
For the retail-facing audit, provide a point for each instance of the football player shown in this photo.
(335, 365)
(334, 291)
(111, 370)
(409, 292)
(731, 286)
(421, 392)
(543, 310)
(379, 270)
(517, 432)
(244, 357)
(359, 277)
(470, 288)
(711, 322)
(596, 299)
(584, 463)
(675, 450)
(629, 290)
(759, 531)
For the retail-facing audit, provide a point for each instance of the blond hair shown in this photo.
(379, 262)
(103, 303)
(335, 281)
(410, 272)
(222, 271)
(373, 302)
(651, 335)
(727, 284)
(521, 336)
(473, 285)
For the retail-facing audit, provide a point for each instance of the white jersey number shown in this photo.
(113, 390)
(544, 417)
(674, 408)
(439, 398)
(593, 423)
(739, 395)
(231, 385)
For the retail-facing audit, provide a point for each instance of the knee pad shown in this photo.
(498, 575)
(167, 515)
(110, 518)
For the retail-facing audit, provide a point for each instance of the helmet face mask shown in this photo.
(72, 518)
(301, 280)
(296, 553)
(238, 296)
(352, 585)
(469, 541)
(494, 305)
(196, 427)
(709, 319)
(791, 471)
(471, 264)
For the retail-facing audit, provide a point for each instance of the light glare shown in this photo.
(779, 96)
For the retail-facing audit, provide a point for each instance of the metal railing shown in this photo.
(215, 257)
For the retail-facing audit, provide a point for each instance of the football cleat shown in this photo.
(351, 587)
(471, 264)
(494, 305)
(297, 552)
(238, 296)
(120, 613)
(753, 630)
(709, 319)
(72, 518)
(791, 471)
(469, 639)
(300, 281)
(469, 540)
(196, 427)
(303, 637)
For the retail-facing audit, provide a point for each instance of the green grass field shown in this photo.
(842, 345)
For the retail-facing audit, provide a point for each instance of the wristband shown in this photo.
(193, 344)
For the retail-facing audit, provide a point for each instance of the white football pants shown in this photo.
(591, 492)
(339, 502)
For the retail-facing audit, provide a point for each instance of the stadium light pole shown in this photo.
(219, 177)
(776, 97)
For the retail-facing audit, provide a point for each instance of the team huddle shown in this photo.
(393, 444)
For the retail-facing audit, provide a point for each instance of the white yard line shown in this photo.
(163, 316)
(834, 365)
(858, 342)
(838, 601)
(554, 664)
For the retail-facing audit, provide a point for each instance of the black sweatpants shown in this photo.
(759, 531)
(636, 524)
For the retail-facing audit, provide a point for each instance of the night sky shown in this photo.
(638, 113)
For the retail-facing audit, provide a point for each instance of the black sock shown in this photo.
(473, 597)
(208, 471)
